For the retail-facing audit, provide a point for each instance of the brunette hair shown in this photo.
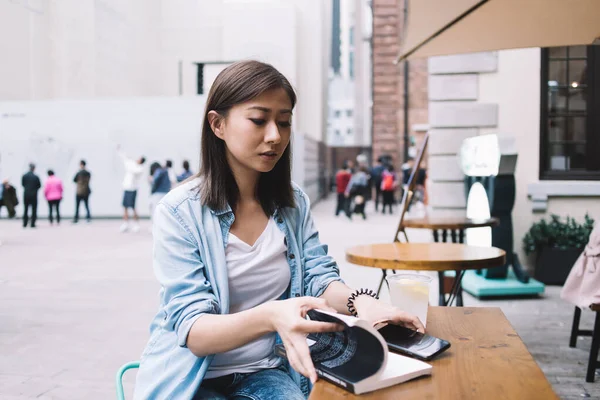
(236, 84)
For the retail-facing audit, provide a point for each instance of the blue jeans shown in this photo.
(271, 384)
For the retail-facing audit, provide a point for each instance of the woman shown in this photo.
(239, 260)
(53, 190)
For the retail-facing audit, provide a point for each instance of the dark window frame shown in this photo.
(592, 145)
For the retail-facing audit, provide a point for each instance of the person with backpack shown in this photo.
(83, 191)
(389, 183)
(357, 190)
(376, 176)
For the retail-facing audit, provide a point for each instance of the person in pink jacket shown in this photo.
(53, 190)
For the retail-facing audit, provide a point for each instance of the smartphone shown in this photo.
(412, 343)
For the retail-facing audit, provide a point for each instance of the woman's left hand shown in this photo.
(376, 311)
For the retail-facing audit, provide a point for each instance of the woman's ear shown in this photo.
(215, 120)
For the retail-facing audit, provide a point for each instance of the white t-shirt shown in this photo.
(257, 274)
(133, 172)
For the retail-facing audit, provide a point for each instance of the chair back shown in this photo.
(410, 189)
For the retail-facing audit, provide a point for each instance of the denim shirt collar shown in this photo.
(226, 218)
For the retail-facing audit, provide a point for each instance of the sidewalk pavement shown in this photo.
(76, 302)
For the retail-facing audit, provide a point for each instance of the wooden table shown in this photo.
(426, 257)
(487, 360)
(456, 226)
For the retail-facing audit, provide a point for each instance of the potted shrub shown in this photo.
(556, 244)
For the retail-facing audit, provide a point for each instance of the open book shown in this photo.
(357, 358)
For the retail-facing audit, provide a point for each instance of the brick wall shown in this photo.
(388, 83)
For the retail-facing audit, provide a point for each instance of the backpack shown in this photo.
(387, 183)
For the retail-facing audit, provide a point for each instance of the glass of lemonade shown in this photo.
(410, 293)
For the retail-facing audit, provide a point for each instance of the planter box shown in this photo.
(553, 265)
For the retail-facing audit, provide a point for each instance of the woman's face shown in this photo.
(257, 132)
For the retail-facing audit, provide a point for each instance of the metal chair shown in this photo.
(119, 377)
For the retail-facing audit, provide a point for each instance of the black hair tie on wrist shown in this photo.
(354, 295)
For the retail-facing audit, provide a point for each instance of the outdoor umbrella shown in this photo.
(442, 27)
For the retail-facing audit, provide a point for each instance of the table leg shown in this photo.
(384, 273)
(458, 236)
(455, 293)
(459, 291)
(459, 296)
(442, 296)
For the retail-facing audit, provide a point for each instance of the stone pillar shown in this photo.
(454, 115)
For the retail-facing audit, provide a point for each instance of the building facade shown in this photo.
(114, 50)
(543, 98)
(350, 102)
(389, 94)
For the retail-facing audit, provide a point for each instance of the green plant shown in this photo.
(558, 234)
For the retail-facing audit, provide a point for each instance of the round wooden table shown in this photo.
(426, 257)
(456, 226)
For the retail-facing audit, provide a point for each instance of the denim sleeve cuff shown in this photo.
(322, 284)
(207, 307)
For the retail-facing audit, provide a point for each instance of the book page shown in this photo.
(353, 354)
(399, 365)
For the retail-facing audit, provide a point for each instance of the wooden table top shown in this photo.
(486, 360)
(448, 222)
(425, 256)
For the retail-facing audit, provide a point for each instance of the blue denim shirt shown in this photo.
(189, 263)
(160, 181)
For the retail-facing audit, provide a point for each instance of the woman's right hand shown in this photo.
(287, 318)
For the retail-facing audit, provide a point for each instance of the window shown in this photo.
(337, 132)
(337, 113)
(570, 126)
(348, 113)
(349, 131)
